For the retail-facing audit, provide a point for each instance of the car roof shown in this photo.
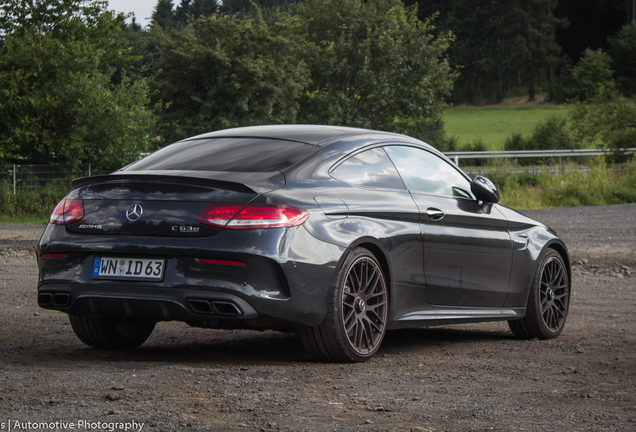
(316, 135)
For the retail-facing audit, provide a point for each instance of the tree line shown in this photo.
(80, 83)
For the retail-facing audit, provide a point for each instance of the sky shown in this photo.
(141, 8)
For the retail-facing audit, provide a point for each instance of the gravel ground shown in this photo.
(452, 378)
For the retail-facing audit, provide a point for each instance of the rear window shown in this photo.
(226, 154)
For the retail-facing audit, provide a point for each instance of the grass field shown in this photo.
(493, 124)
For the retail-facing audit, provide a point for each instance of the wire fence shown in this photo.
(27, 177)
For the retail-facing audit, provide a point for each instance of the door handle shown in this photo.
(435, 214)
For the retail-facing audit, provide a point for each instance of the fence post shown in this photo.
(89, 169)
(456, 160)
(13, 179)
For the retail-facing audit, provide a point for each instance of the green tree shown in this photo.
(540, 52)
(607, 122)
(59, 102)
(590, 77)
(225, 72)
(163, 16)
(487, 35)
(623, 53)
(501, 45)
(181, 14)
(375, 65)
(203, 8)
(552, 133)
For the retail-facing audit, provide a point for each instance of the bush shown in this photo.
(516, 141)
(429, 130)
(36, 202)
(552, 134)
(606, 124)
(586, 79)
(569, 188)
(476, 146)
(450, 144)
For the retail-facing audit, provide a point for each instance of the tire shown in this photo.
(548, 300)
(111, 334)
(357, 313)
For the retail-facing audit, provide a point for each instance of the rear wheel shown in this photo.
(548, 300)
(357, 316)
(108, 333)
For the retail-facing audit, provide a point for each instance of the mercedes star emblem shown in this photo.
(134, 212)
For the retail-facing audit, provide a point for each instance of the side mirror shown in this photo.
(484, 190)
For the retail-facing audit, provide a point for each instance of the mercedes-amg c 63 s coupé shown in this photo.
(337, 233)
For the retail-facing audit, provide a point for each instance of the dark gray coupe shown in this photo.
(337, 233)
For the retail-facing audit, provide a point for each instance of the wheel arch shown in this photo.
(378, 251)
(563, 252)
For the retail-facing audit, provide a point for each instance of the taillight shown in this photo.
(252, 216)
(67, 212)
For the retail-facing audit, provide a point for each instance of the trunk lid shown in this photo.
(162, 204)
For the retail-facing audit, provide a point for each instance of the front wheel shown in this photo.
(548, 300)
(356, 320)
(108, 333)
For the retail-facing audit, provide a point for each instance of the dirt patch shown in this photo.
(455, 378)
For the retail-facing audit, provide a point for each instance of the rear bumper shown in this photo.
(131, 301)
(285, 279)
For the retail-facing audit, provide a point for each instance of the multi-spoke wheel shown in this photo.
(110, 333)
(548, 300)
(357, 318)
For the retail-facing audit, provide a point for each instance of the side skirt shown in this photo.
(443, 316)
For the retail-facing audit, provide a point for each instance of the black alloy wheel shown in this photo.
(548, 300)
(357, 318)
(554, 294)
(364, 306)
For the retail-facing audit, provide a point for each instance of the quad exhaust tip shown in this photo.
(54, 299)
(215, 307)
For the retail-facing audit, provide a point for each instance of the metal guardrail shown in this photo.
(533, 153)
(535, 171)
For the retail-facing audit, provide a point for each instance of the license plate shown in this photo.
(127, 268)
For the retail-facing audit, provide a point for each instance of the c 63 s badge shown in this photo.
(185, 229)
(90, 226)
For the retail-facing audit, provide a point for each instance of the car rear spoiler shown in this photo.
(249, 182)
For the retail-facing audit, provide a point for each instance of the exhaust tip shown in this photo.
(201, 306)
(215, 307)
(227, 308)
(61, 299)
(45, 299)
(54, 299)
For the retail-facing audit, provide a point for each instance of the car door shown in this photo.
(467, 246)
(380, 205)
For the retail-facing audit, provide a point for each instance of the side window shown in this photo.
(371, 168)
(425, 172)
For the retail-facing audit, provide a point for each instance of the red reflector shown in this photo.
(67, 212)
(54, 255)
(222, 262)
(252, 216)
